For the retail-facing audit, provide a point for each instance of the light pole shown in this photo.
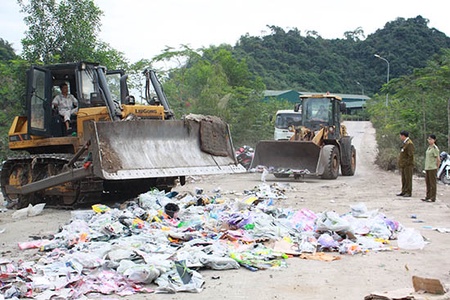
(387, 77)
(362, 87)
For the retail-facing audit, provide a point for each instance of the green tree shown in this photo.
(212, 81)
(418, 103)
(6, 51)
(59, 31)
(107, 56)
(12, 93)
(65, 31)
(308, 62)
(355, 35)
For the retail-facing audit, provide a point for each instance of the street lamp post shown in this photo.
(362, 87)
(387, 77)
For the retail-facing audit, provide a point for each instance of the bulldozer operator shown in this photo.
(66, 104)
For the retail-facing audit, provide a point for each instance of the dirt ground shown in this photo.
(351, 277)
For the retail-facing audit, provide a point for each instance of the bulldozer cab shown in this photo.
(84, 84)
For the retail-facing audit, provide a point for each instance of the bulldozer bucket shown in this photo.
(293, 155)
(161, 148)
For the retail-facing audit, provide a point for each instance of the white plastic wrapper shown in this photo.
(410, 239)
(29, 211)
(330, 220)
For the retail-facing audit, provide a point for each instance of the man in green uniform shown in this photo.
(406, 164)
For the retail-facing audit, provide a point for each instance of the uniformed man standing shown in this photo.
(432, 162)
(406, 164)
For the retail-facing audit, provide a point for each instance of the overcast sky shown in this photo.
(143, 28)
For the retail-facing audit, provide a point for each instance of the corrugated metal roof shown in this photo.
(343, 96)
(272, 93)
(355, 104)
(351, 96)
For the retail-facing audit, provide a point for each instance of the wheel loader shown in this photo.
(319, 146)
(116, 148)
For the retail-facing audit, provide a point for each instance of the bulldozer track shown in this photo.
(24, 169)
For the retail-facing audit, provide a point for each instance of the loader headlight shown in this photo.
(331, 129)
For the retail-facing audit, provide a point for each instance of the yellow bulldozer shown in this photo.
(115, 148)
(319, 146)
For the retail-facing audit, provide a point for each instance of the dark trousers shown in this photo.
(431, 181)
(407, 173)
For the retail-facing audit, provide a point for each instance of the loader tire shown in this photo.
(348, 169)
(332, 167)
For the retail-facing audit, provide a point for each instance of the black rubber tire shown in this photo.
(349, 169)
(444, 179)
(332, 167)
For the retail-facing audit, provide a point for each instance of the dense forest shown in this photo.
(289, 60)
(229, 80)
(418, 58)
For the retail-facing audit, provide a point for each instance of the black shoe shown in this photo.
(428, 200)
(400, 194)
(406, 195)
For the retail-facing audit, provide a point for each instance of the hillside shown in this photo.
(307, 62)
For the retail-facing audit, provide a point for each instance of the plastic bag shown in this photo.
(379, 229)
(29, 211)
(219, 263)
(330, 220)
(410, 239)
(139, 273)
(327, 241)
(35, 210)
(359, 210)
(308, 243)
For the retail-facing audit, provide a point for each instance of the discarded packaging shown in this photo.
(29, 211)
(410, 239)
(163, 238)
(428, 285)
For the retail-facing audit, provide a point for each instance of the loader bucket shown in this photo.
(293, 155)
(157, 148)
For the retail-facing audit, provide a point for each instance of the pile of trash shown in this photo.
(158, 243)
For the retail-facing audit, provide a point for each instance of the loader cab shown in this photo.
(320, 110)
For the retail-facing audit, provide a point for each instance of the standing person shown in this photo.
(406, 164)
(66, 104)
(432, 161)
